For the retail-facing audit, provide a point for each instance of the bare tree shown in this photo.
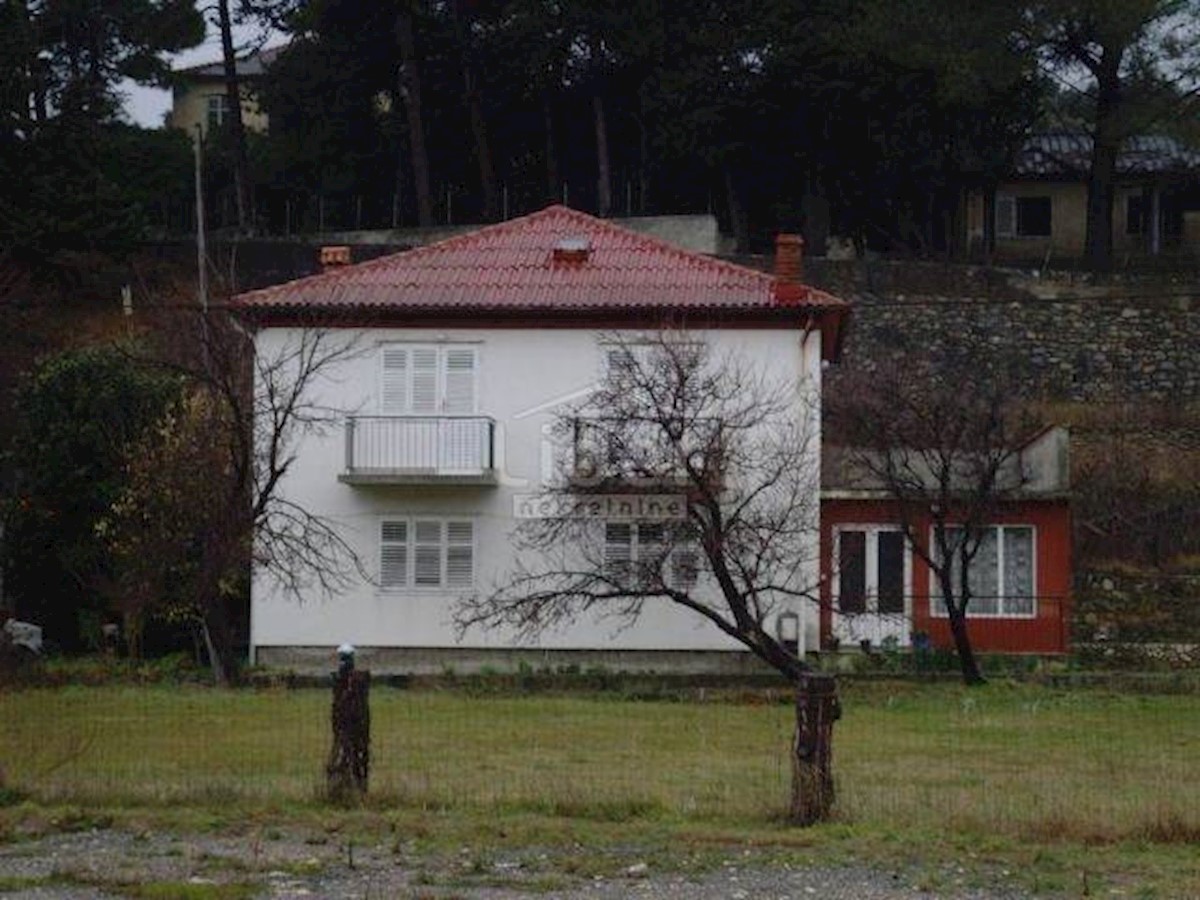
(738, 452)
(943, 444)
(203, 499)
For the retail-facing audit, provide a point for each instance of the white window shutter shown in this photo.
(424, 363)
(618, 550)
(459, 363)
(460, 554)
(394, 381)
(427, 553)
(393, 554)
(685, 568)
(650, 549)
(1006, 215)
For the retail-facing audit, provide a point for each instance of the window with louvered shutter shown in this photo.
(428, 380)
(459, 367)
(424, 361)
(393, 554)
(649, 552)
(394, 381)
(460, 554)
(427, 553)
(685, 568)
(618, 550)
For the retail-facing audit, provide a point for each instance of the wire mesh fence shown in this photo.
(1020, 759)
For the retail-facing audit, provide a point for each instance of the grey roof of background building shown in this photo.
(1070, 153)
(252, 64)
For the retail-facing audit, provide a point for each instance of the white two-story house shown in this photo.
(465, 349)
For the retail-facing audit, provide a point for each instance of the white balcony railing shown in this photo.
(419, 449)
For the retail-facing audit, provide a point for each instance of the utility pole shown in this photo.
(201, 250)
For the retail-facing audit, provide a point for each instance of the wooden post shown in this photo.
(817, 708)
(350, 756)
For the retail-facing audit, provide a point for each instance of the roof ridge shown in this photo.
(660, 243)
(473, 236)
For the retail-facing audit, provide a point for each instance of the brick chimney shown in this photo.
(789, 258)
(334, 258)
(789, 269)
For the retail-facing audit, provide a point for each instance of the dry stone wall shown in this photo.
(1120, 342)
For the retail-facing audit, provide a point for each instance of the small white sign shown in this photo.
(617, 507)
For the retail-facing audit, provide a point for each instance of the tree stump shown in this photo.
(350, 756)
(817, 708)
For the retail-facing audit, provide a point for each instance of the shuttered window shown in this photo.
(394, 380)
(422, 380)
(459, 381)
(393, 554)
(639, 554)
(425, 552)
(460, 554)
(424, 396)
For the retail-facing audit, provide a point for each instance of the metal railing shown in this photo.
(420, 445)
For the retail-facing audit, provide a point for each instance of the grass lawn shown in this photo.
(1002, 776)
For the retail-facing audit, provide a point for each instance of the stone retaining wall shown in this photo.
(1064, 349)
(1119, 606)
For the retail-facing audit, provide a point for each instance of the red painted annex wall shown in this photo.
(1046, 632)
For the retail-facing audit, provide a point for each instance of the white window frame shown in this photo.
(444, 545)
(442, 351)
(669, 562)
(216, 110)
(871, 571)
(937, 609)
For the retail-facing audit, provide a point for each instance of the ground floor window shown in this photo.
(426, 552)
(642, 554)
(1001, 575)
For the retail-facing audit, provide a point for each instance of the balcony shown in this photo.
(419, 450)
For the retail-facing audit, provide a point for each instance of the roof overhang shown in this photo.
(829, 319)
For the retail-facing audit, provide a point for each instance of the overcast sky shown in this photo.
(146, 106)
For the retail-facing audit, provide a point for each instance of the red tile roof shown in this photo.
(514, 266)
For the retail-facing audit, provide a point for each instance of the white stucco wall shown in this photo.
(522, 373)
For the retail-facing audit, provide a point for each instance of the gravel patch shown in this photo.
(96, 865)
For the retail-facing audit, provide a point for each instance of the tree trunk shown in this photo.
(349, 763)
(410, 91)
(643, 158)
(737, 213)
(215, 662)
(473, 97)
(237, 128)
(603, 170)
(817, 708)
(1098, 245)
(552, 178)
(962, 645)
